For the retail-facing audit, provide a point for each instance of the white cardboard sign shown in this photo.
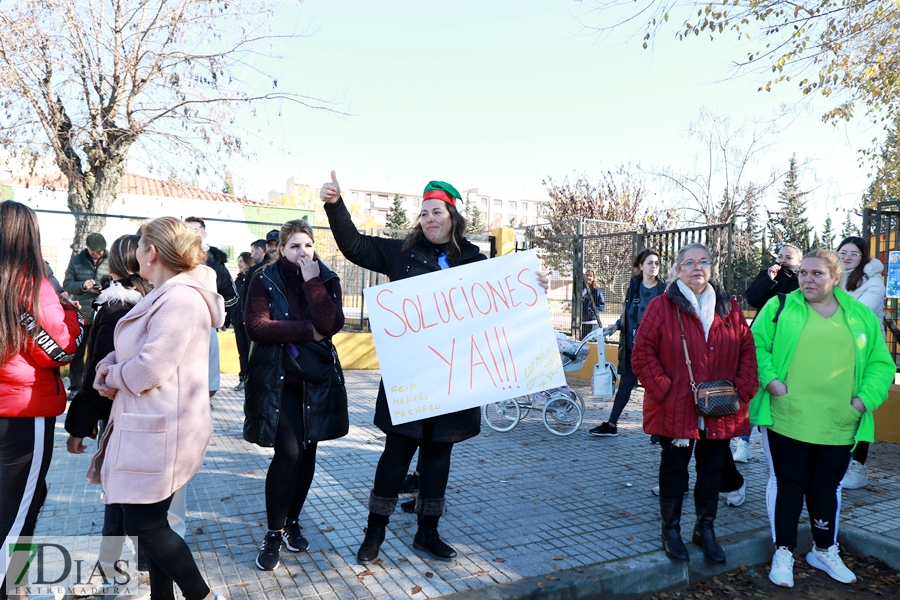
(463, 337)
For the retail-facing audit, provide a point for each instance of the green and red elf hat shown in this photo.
(441, 190)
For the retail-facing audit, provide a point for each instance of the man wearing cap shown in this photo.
(82, 282)
(272, 245)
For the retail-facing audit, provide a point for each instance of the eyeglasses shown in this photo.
(690, 264)
(845, 254)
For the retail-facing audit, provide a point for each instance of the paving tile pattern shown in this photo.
(519, 504)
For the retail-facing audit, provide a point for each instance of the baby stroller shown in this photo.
(562, 408)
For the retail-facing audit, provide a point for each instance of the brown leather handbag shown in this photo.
(717, 398)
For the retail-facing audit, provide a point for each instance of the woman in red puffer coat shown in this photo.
(721, 347)
(38, 334)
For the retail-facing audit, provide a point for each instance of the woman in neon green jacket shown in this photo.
(823, 369)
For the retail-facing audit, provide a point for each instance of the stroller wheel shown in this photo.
(502, 415)
(562, 413)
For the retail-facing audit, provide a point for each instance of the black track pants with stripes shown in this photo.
(26, 446)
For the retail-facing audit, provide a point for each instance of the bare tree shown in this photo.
(86, 81)
(715, 190)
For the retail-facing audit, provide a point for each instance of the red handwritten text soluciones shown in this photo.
(458, 303)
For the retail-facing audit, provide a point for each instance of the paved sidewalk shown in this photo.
(520, 504)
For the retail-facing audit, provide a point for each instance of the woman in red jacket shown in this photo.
(38, 334)
(720, 346)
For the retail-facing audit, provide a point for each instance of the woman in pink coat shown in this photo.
(32, 394)
(160, 422)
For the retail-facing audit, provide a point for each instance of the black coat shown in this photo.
(216, 259)
(764, 288)
(385, 256)
(88, 406)
(628, 322)
(265, 380)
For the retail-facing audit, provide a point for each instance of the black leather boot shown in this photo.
(427, 538)
(368, 550)
(670, 511)
(705, 532)
(380, 511)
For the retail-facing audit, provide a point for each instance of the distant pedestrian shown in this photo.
(82, 282)
(825, 368)
(780, 278)
(697, 321)
(160, 423)
(862, 279)
(245, 262)
(592, 303)
(293, 301)
(643, 287)
(38, 334)
(437, 241)
(89, 411)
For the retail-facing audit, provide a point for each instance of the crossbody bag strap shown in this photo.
(687, 357)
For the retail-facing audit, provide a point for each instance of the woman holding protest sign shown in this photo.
(436, 242)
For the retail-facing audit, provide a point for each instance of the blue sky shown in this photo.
(501, 94)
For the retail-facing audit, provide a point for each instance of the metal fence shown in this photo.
(571, 247)
(232, 237)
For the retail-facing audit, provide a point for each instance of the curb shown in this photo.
(865, 543)
(638, 576)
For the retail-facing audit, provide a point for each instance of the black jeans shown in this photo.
(292, 468)
(732, 479)
(861, 452)
(709, 457)
(799, 470)
(168, 556)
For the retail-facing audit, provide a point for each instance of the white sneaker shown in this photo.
(735, 498)
(830, 562)
(782, 571)
(855, 477)
(742, 451)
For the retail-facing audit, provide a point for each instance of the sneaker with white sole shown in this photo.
(855, 477)
(782, 571)
(735, 498)
(268, 558)
(742, 451)
(830, 562)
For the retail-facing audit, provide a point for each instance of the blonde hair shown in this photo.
(835, 267)
(177, 244)
(292, 227)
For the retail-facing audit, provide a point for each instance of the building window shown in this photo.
(498, 204)
(415, 202)
(511, 205)
(356, 195)
(382, 197)
(484, 202)
(524, 207)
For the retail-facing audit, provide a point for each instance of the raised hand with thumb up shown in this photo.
(331, 191)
